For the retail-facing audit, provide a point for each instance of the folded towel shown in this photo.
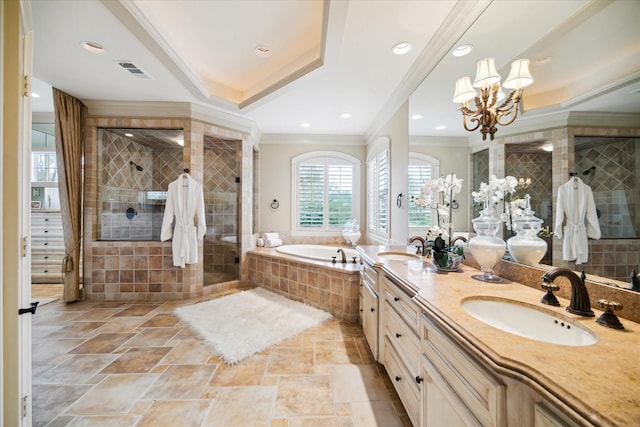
(272, 243)
(269, 236)
(260, 242)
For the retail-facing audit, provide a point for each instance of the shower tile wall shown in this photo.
(221, 207)
(126, 187)
(614, 182)
(537, 167)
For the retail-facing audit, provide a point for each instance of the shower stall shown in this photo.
(135, 167)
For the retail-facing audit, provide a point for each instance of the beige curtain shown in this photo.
(69, 116)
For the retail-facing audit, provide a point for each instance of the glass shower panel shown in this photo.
(221, 189)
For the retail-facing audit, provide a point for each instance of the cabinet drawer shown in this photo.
(478, 389)
(404, 383)
(402, 304)
(370, 276)
(405, 341)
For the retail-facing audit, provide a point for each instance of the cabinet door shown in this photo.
(370, 318)
(440, 405)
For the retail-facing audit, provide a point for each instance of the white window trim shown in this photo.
(382, 144)
(357, 190)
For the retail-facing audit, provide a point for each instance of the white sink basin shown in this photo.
(398, 256)
(529, 321)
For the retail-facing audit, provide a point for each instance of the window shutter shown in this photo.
(418, 175)
(311, 195)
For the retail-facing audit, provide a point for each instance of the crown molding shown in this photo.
(439, 141)
(171, 110)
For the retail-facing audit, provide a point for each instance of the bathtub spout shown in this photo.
(344, 256)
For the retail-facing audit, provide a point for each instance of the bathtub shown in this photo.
(319, 252)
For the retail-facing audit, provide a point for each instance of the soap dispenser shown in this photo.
(526, 247)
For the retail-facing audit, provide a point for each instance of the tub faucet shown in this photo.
(420, 250)
(579, 296)
(344, 256)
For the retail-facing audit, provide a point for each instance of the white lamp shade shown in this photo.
(486, 74)
(519, 76)
(464, 91)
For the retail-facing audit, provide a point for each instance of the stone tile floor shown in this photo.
(135, 364)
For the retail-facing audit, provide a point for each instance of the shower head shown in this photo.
(588, 171)
(138, 167)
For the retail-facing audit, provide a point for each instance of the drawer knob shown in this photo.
(46, 231)
(398, 335)
(419, 379)
(372, 309)
(46, 257)
(398, 378)
(46, 271)
(396, 298)
(361, 310)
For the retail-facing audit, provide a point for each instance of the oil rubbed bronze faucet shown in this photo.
(420, 250)
(344, 256)
(579, 304)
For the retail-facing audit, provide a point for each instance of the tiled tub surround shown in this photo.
(330, 287)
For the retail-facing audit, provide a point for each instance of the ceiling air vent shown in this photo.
(133, 69)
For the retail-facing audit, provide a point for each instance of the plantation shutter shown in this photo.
(311, 195)
(418, 174)
(340, 194)
(378, 193)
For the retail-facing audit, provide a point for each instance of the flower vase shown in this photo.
(487, 248)
(526, 247)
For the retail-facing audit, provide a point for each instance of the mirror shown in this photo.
(574, 97)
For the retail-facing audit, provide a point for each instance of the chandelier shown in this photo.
(491, 107)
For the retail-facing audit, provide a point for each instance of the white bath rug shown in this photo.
(245, 323)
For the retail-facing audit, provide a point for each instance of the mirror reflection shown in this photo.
(576, 107)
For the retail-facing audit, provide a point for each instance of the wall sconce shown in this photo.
(488, 112)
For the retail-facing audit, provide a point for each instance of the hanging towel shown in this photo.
(272, 243)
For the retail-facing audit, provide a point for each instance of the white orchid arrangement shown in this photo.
(438, 194)
(499, 195)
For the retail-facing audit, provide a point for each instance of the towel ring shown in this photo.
(275, 204)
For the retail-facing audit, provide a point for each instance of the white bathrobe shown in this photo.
(185, 203)
(575, 202)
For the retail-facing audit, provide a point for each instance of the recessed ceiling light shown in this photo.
(92, 47)
(345, 115)
(401, 48)
(263, 51)
(441, 127)
(462, 50)
(547, 147)
(128, 134)
(35, 95)
(305, 125)
(417, 117)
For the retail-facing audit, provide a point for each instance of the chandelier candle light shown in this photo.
(488, 112)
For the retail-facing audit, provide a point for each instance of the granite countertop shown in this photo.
(601, 382)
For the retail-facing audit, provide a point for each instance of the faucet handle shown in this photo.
(607, 318)
(549, 298)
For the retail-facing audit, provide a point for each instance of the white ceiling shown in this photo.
(330, 57)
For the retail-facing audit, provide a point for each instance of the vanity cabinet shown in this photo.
(369, 307)
(458, 389)
(401, 354)
(47, 247)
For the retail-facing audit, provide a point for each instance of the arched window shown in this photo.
(326, 192)
(421, 168)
